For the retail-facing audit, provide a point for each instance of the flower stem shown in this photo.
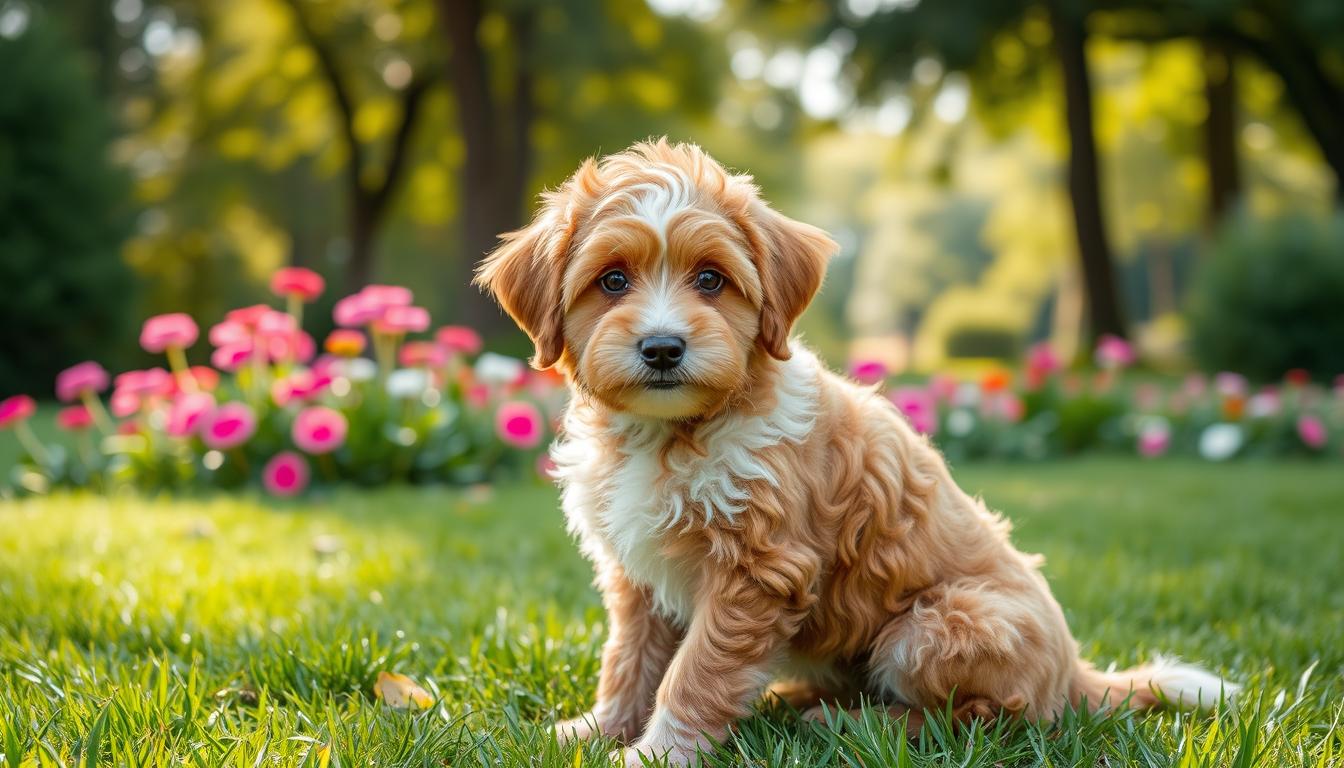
(328, 467)
(177, 360)
(31, 444)
(99, 413)
(294, 304)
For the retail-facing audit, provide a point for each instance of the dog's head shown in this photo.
(655, 279)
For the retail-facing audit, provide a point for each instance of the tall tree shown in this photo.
(1220, 128)
(368, 191)
(961, 34)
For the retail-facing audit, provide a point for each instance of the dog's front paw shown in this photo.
(590, 724)
(652, 753)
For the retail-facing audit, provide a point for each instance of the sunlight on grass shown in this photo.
(233, 631)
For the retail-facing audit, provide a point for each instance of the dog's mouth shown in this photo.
(663, 384)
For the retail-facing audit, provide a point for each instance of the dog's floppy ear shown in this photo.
(792, 264)
(524, 273)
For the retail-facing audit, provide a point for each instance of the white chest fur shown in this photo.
(623, 504)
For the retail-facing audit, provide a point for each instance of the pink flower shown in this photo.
(75, 381)
(1230, 384)
(228, 426)
(187, 411)
(422, 354)
(295, 346)
(478, 395)
(1114, 352)
(318, 429)
(387, 295)
(74, 418)
(1042, 362)
(868, 371)
(1154, 439)
(229, 332)
(355, 311)
(247, 317)
(123, 403)
(402, 319)
(1006, 406)
(943, 387)
(1312, 431)
(173, 330)
(207, 378)
(918, 406)
(458, 339)
(546, 466)
(519, 424)
(286, 474)
(1194, 386)
(147, 383)
(16, 409)
(231, 357)
(301, 385)
(345, 342)
(297, 281)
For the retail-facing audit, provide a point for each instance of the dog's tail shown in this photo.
(1164, 682)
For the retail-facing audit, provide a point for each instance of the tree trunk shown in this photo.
(363, 227)
(1104, 311)
(491, 186)
(1220, 130)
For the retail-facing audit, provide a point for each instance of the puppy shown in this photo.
(746, 510)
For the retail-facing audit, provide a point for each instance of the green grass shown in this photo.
(230, 631)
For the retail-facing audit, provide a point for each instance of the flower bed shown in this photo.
(271, 411)
(1043, 411)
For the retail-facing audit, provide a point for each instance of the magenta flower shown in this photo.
(402, 319)
(229, 332)
(919, 408)
(301, 385)
(228, 426)
(519, 424)
(147, 383)
(74, 418)
(318, 429)
(175, 330)
(1312, 432)
(286, 474)
(296, 346)
(75, 381)
(1041, 364)
(1154, 439)
(868, 371)
(1114, 352)
(458, 340)
(187, 412)
(305, 284)
(16, 409)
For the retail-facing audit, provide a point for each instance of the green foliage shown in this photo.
(64, 289)
(217, 631)
(1269, 297)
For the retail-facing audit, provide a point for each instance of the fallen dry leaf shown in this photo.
(401, 692)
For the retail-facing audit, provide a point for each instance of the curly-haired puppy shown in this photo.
(747, 511)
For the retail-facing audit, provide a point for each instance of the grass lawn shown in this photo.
(234, 631)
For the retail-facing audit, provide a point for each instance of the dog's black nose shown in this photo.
(662, 353)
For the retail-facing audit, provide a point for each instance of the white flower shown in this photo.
(357, 368)
(405, 383)
(498, 369)
(1263, 405)
(1220, 441)
(967, 394)
(960, 423)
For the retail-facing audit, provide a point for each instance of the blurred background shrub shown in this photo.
(65, 211)
(1267, 297)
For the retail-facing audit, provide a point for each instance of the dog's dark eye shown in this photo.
(614, 282)
(709, 281)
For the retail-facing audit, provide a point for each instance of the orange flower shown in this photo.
(1234, 406)
(996, 380)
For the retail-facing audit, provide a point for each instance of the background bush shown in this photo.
(65, 292)
(1270, 297)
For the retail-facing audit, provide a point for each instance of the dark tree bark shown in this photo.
(495, 129)
(1220, 129)
(1104, 310)
(366, 205)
